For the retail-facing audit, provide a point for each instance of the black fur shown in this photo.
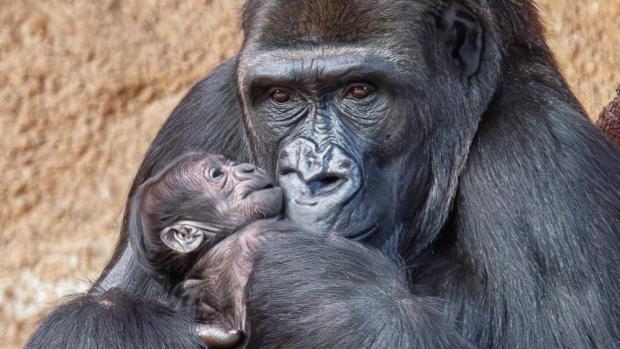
(362, 301)
(519, 239)
(113, 320)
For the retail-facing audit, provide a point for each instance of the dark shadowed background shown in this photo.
(84, 86)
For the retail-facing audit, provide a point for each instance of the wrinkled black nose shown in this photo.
(322, 170)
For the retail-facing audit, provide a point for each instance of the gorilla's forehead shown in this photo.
(297, 23)
(324, 62)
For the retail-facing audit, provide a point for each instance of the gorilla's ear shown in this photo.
(184, 237)
(462, 32)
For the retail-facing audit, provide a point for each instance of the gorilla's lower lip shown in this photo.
(305, 202)
(326, 189)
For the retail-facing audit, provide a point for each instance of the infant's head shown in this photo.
(195, 202)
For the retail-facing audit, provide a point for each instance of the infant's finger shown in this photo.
(217, 337)
(191, 283)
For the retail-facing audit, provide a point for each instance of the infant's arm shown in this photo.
(214, 292)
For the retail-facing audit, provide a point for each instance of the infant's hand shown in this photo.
(216, 337)
(211, 323)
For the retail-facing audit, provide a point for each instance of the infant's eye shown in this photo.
(216, 174)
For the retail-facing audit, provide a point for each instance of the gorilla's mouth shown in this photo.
(314, 190)
(319, 181)
(325, 184)
(318, 197)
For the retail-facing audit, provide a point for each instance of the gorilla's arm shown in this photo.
(114, 320)
(308, 291)
(207, 119)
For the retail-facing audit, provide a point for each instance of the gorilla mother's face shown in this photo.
(332, 121)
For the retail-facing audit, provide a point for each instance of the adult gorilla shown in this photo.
(440, 132)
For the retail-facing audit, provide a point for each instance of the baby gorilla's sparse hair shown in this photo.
(158, 204)
(196, 201)
(183, 211)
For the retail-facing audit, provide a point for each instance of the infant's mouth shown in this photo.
(258, 186)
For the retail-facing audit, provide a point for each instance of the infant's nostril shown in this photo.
(245, 171)
(246, 168)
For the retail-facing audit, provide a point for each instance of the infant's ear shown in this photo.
(183, 237)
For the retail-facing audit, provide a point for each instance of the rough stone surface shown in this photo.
(84, 86)
(609, 120)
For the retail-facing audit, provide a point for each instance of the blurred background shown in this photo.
(84, 87)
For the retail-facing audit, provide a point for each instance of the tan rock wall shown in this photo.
(84, 86)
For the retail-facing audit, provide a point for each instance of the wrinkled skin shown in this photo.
(336, 137)
(470, 160)
(349, 128)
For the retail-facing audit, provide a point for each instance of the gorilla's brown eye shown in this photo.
(282, 96)
(359, 91)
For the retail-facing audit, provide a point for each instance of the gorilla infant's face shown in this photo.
(239, 191)
(209, 197)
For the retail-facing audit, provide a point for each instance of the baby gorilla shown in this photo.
(209, 228)
(182, 213)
